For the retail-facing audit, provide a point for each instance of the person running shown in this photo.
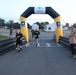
(19, 38)
(32, 31)
(72, 40)
(36, 33)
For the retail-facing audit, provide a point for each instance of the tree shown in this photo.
(46, 23)
(37, 23)
(2, 22)
(9, 24)
(29, 26)
(12, 24)
(74, 25)
(42, 24)
(16, 25)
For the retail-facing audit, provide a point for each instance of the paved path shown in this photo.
(48, 58)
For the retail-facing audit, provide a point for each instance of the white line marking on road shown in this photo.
(39, 45)
(59, 45)
(48, 44)
(45, 46)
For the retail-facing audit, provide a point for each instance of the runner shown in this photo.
(36, 33)
(19, 38)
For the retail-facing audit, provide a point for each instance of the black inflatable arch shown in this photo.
(47, 10)
(50, 11)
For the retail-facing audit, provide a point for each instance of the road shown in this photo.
(49, 58)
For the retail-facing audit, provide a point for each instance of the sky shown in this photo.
(12, 9)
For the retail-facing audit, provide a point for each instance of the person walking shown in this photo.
(72, 40)
(36, 33)
(10, 31)
(19, 38)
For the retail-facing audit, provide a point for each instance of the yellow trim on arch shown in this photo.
(22, 18)
(25, 33)
(57, 19)
(59, 33)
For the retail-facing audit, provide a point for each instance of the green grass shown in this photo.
(3, 37)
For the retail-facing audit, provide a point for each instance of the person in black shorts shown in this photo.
(19, 38)
(36, 33)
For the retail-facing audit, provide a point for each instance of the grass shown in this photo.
(3, 37)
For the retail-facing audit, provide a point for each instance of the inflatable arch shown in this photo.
(41, 10)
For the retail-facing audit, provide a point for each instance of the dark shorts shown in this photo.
(36, 37)
(18, 42)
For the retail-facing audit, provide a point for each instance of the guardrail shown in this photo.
(8, 45)
(63, 41)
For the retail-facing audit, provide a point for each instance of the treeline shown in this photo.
(16, 25)
(9, 24)
(41, 24)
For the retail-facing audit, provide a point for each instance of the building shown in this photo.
(65, 28)
(50, 27)
(35, 27)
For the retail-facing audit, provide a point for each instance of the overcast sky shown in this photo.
(12, 9)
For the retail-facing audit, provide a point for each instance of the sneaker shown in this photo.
(18, 51)
(16, 48)
(36, 44)
(21, 48)
(74, 57)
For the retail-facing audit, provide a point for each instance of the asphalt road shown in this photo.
(49, 58)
